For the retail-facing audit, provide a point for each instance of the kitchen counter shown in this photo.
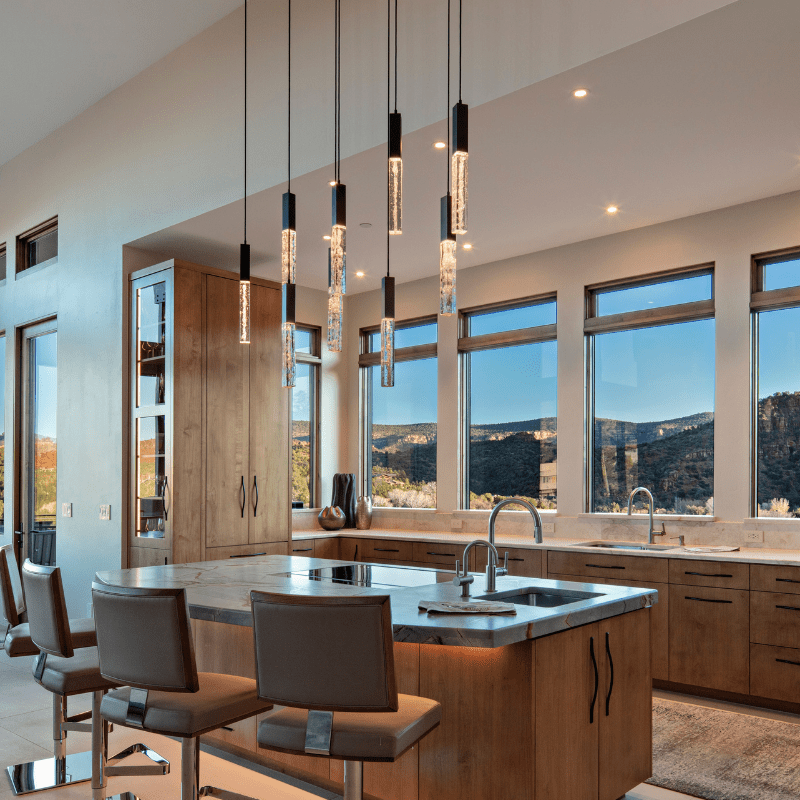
(219, 591)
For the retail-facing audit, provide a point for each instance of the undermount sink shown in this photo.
(627, 546)
(537, 597)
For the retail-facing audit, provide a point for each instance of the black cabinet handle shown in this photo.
(164, 498)
(255, 489)
(303, 550)
(786, 661)
(611, 664)
(227, 728)
(596, 680)
(247, 555)
(707, 575)
(604, 566)
(388, 550)
(707, 600)
(451, 555)
(789, 608)
(516, 559)
(786, 580)
(243, 495)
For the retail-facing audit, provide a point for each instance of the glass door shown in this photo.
(39, 443)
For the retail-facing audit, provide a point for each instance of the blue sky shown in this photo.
(779, 351)
(45, 347)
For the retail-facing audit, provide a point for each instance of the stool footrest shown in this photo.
(159, 767)
(222, 794)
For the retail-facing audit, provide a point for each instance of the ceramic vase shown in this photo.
(364, 513)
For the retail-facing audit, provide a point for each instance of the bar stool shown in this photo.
(65, 672)
(326, 656)
(145, 642)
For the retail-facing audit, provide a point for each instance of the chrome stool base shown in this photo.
(50, 773)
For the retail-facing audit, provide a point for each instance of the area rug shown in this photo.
(721, 755)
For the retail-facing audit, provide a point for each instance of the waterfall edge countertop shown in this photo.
(219, 591)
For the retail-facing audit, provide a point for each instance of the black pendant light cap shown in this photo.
(289, 215)
(447, 218)
(244, 262)
(461, 128)
(387, 290)
(339, 206)
(395, 135)
(288, 302)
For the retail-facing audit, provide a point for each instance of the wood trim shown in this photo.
(683, 312)
(31, 235)
(654, 277)
(415, 353)
(777, 298)
(489, 341)
(413, 322)
(220, 273)
(757, 264)
(507, 305)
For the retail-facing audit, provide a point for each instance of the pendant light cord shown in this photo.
(388, 106)
(245, 121)
(337, 24)
(289, 112)
(460, 16)
(447, 116)
(395, 56)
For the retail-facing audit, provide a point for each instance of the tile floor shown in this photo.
(25, 735)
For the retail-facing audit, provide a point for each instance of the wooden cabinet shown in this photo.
(209, 427)
(775, 619)
(709, 638)
(305, 548)
(719, 574)
(383, 550)
(597, 565)
(593, 709)
(438, 553)
(521, 562)
(327, 547)
(775, 672)
(766, 578)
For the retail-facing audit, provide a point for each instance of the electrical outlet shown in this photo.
(105, 512)
(754, 536)
(456, 524)
(66, 509)
(548, 527)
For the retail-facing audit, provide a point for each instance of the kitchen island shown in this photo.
(554, 702)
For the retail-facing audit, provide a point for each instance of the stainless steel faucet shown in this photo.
(537, 520)
(652, 531)
(465, 579)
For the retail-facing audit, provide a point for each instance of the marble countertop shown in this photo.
(219, 591)
(751, 555)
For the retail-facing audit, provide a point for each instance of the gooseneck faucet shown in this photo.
(652, 531)
(532, 510)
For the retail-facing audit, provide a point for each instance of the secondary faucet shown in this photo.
(465, 579)
(532, 510)
(652, 531)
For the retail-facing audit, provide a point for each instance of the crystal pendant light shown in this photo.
(288, 295)
(288, 246)
(387, 332)
(289, 240)
(460, 158)
(395, 141)
(244, 249)
(334, 314)
(447, 261)
(338, 239)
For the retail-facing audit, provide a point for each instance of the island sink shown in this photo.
(627, 546)
(536, 597)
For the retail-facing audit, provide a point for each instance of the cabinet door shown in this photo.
(709, 638)
(227, 385)
(567, 719)
(625, 704)
(522, 563)
(268, 475)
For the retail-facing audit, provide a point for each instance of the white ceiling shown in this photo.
(58, 57)
(699, 117)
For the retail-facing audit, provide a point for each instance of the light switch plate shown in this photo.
(548, 527)
(754, 536)
(66, 509)
(105, 512)
(456, 524)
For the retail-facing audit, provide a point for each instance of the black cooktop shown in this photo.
(375, 575)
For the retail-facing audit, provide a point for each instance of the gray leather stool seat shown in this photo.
(78, 674)
(19, 643)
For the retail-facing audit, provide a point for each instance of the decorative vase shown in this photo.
(344, 496)
(331, 518)
(364, 513)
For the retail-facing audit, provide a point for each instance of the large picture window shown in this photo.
(399, 423)
(776, 327)
(509, 368)
(305, 418)
(651, 392)
(2, 432)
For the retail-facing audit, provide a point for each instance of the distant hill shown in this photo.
(779, 449)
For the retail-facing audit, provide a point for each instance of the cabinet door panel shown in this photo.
(600, 565)
(775, 672)
(268, 423)
(566, 740)
(625, 704)
(521, 562)
(721, 574)
(226, 417)
(709, 637)
(775, 619)
(326, 548)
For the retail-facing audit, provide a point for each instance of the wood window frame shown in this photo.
(31, 235)
(4, 256)
(315, 359)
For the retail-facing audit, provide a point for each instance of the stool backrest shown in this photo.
(47, 609)
(12, 601)
(144, 638)
(325, 653)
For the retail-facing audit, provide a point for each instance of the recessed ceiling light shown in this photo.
(468, 246)
(439, 145)
(365, 224)
(326, 238)
(580, 93)
(359, 274)
(612, 210)
(331, 183)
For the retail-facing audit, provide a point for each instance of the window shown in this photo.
(509, 435)
(651, 392)
(305, 418)
(399, 433)
(2, 432)
(38, 246)
(776, 329)
(2, 262)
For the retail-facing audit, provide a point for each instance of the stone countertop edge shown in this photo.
(752, 555)
(216, 593)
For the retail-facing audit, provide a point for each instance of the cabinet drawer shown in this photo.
(388, 550)
(599, 565)
(245, 550)
(775, 619)
(351, 549)
(775, 672)
(302, 548)
(521, 562)
(709, 637)
(438, 553)
(719, 574)
(326, 548)
(766, 578)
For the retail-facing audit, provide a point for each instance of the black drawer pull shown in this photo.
(596, 679)
(516, 559)
(303, 550)
(247, 555)
(227, 728)
(441, 554)
(786, 661)
(786, 580)
(603, 566)
(789, 608)
(707, 600)
(708, 575)
(388, 550)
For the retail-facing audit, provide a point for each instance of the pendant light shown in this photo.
(244, 248)
(337, 254)
(460, 159)
(395, 145)
(447, 243)
(392, 210)
(288, 247)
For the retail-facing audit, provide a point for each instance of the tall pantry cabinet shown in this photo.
(209, 438)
